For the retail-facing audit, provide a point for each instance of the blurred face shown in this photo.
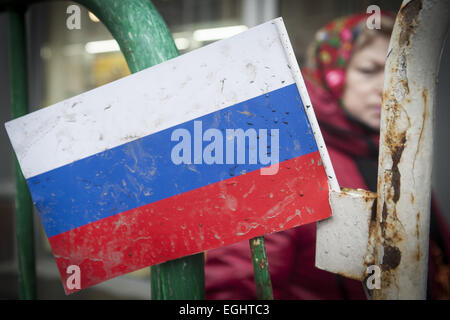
(364, 82)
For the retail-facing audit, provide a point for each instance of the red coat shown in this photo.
(291, 253)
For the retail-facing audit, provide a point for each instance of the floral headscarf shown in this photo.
(329, 54)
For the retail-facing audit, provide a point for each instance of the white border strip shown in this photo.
(293, 65)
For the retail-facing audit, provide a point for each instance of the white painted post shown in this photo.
(406, 149)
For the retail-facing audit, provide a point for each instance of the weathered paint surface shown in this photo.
(342, 243)
(406, 149)
(263, 281)
(144, 39)
(121, 127)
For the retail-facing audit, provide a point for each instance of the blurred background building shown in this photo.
(64, 63)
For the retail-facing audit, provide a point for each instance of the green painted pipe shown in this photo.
(24, 206)
(142, 34)
(181, 279)
(261, 269)
(145, 40)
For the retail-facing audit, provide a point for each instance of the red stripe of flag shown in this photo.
(196, 221)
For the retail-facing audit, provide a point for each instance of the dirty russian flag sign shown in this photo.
(210, 148)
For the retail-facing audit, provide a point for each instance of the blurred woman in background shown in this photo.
(344, 75)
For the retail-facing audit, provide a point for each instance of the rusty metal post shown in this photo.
(391, 230)
(406, 147)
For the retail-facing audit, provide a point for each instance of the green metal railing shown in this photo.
(24, 205)
(144, 40)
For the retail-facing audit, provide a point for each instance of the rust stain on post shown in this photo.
(397, 151)
(419, 253)
(391, 257)
(408, 21)
(424, 119)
